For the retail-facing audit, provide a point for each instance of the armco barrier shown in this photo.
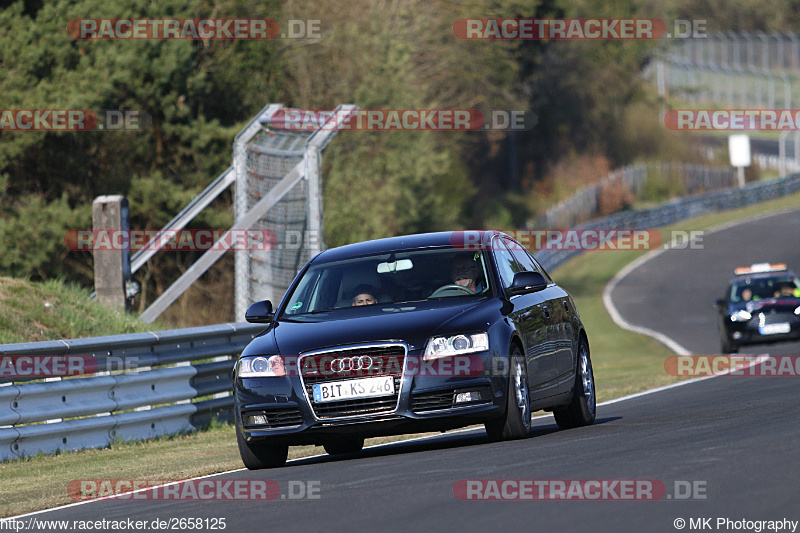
(682, 209)
(144, 387)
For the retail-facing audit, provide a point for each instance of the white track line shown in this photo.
(624, 324)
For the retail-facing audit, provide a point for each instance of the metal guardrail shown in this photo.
(152, 396)
(675, 211)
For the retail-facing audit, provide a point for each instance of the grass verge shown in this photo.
(624, 363)
(164, 459)
(52, 310)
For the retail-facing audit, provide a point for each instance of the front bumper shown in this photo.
(762, 329)
(283, 409)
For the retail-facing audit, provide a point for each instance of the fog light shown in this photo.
(258, 420)
(737, 334)
(465, 397)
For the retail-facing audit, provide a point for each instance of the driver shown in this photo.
(465, 272)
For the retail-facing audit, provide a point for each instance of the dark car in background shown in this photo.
(761, 305)
(408, 334)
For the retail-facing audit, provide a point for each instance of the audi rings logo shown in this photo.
(347, 364)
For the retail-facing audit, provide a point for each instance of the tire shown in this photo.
(727, 345)
(516, 422)
(344, 445)
(258, 454)
(582, 407)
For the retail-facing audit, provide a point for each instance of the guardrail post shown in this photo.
(112, 256)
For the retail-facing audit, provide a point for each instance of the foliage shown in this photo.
(588, 96)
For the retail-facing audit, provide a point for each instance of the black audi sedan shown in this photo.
(410, 334)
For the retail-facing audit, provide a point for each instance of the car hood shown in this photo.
(412, 323)
(779, 304)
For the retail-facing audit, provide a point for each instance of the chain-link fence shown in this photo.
(277, 200)
(741, 50)
(265, 160)
(269, 161)
(731, 69)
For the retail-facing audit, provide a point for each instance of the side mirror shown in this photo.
(527, 282)
(719, 304)
(259, 312)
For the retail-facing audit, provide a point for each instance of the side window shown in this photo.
(543, 271)
(525, 261)
(506, 264)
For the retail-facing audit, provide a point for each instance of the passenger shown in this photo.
(787, 291)
(747, 295)
(364, 296)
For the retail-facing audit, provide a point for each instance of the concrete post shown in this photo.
(112, 266)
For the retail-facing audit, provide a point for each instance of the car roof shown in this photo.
(739, 278)
(407, 242)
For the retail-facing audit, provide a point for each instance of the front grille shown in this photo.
(386, 360)
(777, 317)
(445, 399)
(278, 417)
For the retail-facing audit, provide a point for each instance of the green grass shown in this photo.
(51, 310)
(624, 363)
(164, 459)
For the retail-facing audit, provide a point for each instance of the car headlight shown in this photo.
(797, 310)
(261, 366)
(741, 316)
(456, 345)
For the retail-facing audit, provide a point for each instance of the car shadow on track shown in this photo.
(476, 437)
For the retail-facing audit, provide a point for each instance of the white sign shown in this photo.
(739, 149)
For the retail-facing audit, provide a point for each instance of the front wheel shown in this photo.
(727, 345)
(516, 422)
(582, 407)
(258, 454)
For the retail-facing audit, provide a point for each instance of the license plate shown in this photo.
(353, 388)
(774, 329)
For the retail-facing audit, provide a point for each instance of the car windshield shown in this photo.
(389, 278)
(753, 289)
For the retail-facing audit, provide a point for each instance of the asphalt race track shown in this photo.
(734, 438)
